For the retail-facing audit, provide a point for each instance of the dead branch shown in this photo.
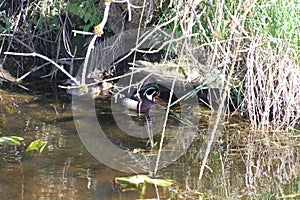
(61, 68)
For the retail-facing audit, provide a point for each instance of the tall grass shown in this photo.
(260, 42)
(272, 81)
(272, 85)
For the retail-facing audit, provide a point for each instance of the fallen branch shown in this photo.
(61, 68)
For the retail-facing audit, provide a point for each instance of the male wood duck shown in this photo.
(143, 100)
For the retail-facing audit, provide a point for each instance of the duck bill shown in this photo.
(154, 98)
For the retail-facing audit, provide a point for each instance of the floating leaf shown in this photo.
(11, 140)
(161, 182)
(139, 179)
(37, 145)
(132, 180)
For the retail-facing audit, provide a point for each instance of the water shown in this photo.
(66, 170)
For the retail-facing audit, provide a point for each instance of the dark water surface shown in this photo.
(66, 170)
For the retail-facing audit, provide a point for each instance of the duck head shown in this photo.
(149, 92)
(148, 95)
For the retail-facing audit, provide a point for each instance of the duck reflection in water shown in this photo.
(142, 101)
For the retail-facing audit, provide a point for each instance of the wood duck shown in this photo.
(144, 99)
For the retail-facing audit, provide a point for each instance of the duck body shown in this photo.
(144, 99)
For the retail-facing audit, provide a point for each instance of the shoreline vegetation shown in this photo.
(254, 44)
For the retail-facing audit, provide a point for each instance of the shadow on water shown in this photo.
(66, 170)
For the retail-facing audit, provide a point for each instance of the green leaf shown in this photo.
(161, 182)
(139, 179)
(11, 140)
(37, 145)
(132, 180)
(16, 138)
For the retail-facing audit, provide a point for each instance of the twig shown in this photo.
(29, 72)
(148, 36)
(45, 58)
(25, 45)
(164, 44)
(82, 32)
(214, 130)
(164, 129)
(86, 60)
(96, 82)
(99, 28)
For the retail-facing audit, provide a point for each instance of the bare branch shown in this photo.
(61, 68)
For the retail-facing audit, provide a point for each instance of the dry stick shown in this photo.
(25, 45)
(137, 39)
(82, 32)
(67, 41)
(166, 43)
(218, 118)
(166, 119)
(29, 72)
(105, 17)
(131, 77)
(106, 11)
(86, 60)
(129, 11)
(92, 43)
(200, 25)
(224, 176)
(45, 58)
(148, 36)
(97, 82)
(222, 41)
(164, 129)
(16, 26)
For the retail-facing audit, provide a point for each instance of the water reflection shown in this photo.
(66, 170)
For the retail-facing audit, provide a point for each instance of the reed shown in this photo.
(264, 38)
